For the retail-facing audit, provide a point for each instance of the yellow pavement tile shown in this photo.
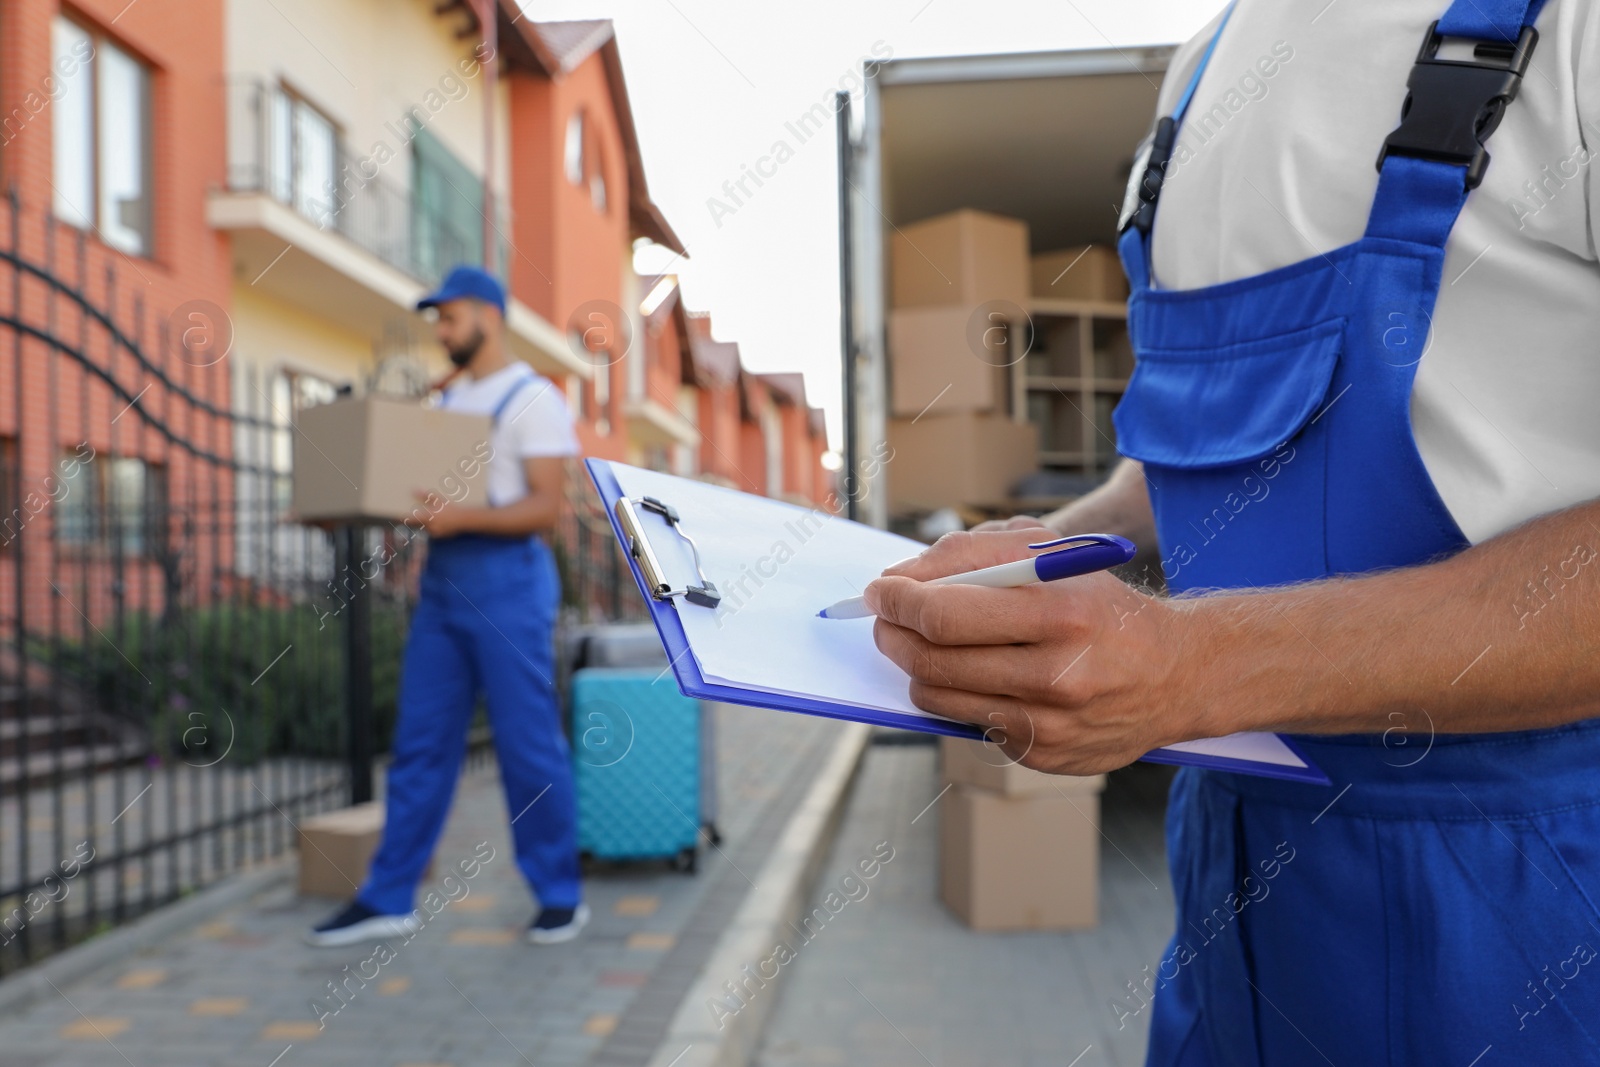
(218, 1006)
(290, 1031)
(94, 1028)
(477, 902)
(482, 936)
(393, 987)
(652, 941)
(424, 1065)
(217, 930)
(638, 905)
(600, 1024)
(142, 978)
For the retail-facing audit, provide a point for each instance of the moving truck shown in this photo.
(1046, 138)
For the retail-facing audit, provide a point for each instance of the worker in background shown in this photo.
(1362, 425)
(484, 625)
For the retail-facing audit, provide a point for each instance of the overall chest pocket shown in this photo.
(1235, 455)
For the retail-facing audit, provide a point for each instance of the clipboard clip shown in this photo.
(705, 594)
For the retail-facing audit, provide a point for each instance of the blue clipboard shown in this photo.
(686, 670)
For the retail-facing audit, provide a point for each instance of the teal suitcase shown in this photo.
(636, 746)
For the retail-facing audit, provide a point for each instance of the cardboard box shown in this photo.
(984, 766)
(336, 848)
(964, 258)
(365, 458)
(1087, 272)
(938, 362)
(1020, 863)
(949, 460)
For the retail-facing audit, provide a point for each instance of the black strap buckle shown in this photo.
(1452, 105)
(1143, 216)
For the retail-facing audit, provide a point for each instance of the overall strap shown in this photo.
(511, 394)
(1134, 242)
(1435, 157)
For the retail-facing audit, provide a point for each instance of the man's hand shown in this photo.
(1086, 674)
(435, 515)
(1018, 522)
(1076, 676)
(1120, 506)
(536, 512)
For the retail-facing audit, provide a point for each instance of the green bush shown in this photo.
(248, 679)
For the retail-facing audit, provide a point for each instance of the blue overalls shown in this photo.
(1437, 904)
(484, 623)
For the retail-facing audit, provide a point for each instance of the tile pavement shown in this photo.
(896, 980)
(238, 991)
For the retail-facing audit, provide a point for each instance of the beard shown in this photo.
(462, 354)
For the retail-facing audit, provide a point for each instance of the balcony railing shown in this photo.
(280, 145)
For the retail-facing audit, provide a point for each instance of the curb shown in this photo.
(165, 922)
(782, 886)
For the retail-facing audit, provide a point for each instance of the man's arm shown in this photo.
(1502, 636)
(538, 511)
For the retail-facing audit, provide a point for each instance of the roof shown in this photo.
(570, 43)
(555, 49)
(787, 388)
(662, 309)
(715, 362)
(753, 389)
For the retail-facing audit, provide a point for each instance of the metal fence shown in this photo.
(184, 674)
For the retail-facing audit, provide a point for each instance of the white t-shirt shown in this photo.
(1504, 403)
(535, 423)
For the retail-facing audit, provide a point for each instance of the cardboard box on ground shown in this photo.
(365, 458)
(336, 848)
(1025, 861)
(985, 766)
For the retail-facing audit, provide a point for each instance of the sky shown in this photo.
(712, 83)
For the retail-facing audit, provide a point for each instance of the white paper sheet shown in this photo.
(776, 565)
(1257, 748)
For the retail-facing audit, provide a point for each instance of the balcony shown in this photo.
(339, 237)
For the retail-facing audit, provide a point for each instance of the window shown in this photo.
(597, 187)
(584, 167)
(102, 138)
(446, 209)
(304, 154)
(114, 504)
(572, 154)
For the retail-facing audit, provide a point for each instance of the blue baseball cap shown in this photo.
(467, 283)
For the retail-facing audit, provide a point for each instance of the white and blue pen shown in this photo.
(1082, 554)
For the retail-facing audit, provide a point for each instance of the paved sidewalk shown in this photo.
(467, 990)
(895, 979)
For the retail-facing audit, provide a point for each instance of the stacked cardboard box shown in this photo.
(948, 460)
(1087, 272)
(959, 286)
(1018, 849)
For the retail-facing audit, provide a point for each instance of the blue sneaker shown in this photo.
(357, 923)
(555, 925)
